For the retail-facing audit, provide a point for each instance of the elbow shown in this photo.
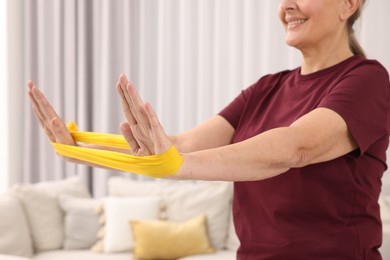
(300, 160)
(291, 159)
(302, 157)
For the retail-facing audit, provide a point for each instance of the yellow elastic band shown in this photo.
(157, 166)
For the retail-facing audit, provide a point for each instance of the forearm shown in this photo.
(261, 157)
(319, 136)
(187, 144)
(214, 132)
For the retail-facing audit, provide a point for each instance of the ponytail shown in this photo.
(354, 44)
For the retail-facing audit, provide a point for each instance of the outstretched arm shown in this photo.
(319, 136)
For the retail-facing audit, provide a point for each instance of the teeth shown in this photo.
(296, 22)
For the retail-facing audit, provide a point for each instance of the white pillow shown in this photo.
(14, 232)
(81, 222)
(185, 200)
(43, 211)
(118, 212)
(232, 242)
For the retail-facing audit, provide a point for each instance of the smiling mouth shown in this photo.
(294, 23)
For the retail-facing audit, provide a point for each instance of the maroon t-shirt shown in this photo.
(322, 211)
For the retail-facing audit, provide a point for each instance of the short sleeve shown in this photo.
(244, 102)
(361, 98)
(232, 112)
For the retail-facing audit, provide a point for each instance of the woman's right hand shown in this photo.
(47, 117)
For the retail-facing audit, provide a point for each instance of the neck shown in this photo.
(325, 56)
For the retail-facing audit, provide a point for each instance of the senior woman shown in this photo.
(305, 148)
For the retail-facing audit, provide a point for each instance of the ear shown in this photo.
(348, 9)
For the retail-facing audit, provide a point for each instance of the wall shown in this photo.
(188, 58)
(374, 36)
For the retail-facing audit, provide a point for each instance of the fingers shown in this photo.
(133, 100)
(125, 105)
(40, 118)
(125, 99)
(38, 113)
(51, 123)
(161, 141)
(44, 106)
(128, 135)
(135, 114)
(135, 133)
(137, 108)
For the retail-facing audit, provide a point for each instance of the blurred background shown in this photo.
(188, 58)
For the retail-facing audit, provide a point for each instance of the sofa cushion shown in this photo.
(88, 255)
(169, 240)
(80, 255)
(81, 222)
(12, 257)
(219, 255)
(14, 232)
(117, 235)
(185, 200)
(43, 212)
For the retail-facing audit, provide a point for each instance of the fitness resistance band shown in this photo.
(156, 166)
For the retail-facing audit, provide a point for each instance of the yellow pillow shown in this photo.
(169, 240)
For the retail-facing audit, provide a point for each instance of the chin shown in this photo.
(291, 42)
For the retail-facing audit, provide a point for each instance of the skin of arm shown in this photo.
(319, 136)
(214, 132)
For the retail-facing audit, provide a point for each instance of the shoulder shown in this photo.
(366, 68)
(368, 75)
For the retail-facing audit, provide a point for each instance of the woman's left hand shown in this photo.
(142, 130)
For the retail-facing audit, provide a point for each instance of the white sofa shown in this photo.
(59, 219)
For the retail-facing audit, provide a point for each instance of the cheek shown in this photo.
(325, 23)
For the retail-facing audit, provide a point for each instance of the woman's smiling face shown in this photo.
(309, 23)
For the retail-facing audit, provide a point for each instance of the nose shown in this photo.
(286, 5)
